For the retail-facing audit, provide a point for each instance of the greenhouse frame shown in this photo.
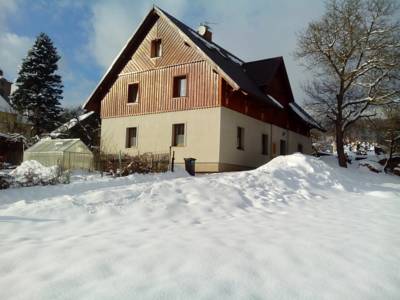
(68, 154)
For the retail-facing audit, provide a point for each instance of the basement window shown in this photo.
(180, 86)
(133, 93)
(178, 135)
(156, 48)
(240, 138)
(131, 137)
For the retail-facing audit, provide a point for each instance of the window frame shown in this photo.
(174, 141)
(137, 93)
(175, 89)
(264, 144)
(153, 48)
(240, 138)
(128, 144)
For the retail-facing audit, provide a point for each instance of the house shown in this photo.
(10, 120)
(171, 86)
(7, 115)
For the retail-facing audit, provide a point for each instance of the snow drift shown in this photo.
(295, 228)
(32, 172)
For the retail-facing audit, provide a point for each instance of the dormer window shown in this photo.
(156, 48)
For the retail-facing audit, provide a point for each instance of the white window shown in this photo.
(178, 135)
(131, 137)
(264, 144)
(180, 86)
(133, 93)
(240, 138)
(156, 48)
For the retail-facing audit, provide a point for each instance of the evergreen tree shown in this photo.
(39, 88)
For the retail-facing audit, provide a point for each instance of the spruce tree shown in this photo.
(39, 88)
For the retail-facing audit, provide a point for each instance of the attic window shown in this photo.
(186, 44)
(180, 86)
(133, 93)
(156, 48)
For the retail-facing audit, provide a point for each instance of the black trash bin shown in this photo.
(190, 164)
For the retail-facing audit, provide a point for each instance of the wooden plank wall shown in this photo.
(174, 50)
(155, 91)
(155, 78)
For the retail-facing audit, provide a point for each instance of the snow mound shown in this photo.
(301, 168)
(282, 231)
(32, 172)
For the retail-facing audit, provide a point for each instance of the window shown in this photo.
(282, 148)
(264, 144)
(178, 135)
(131, 137)
(133, 93)
(156, 48)
(180, 86)
(240, 138)
(300, 148)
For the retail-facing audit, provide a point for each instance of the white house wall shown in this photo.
(210, 137)
(154, 134)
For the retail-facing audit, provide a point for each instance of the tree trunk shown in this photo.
(339, 147)
(339, 131)
(388, 164)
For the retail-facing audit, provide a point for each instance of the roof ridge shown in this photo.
(199, 36)
(264, 59)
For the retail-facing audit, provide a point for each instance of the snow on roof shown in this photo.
(4, 105)
(304, 115)
(13, 137)
(276, 101)
(70, 124)
(56, 145)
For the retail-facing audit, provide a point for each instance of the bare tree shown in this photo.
(354, 54)
(391, 133)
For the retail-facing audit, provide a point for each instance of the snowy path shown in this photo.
(296, 228)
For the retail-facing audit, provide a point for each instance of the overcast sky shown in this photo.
(89, 34)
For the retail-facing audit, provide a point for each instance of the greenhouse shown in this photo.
(68, 154)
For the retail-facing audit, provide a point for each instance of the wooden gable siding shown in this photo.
(155, 77)
(254, 108)
(174, 50)
(156, 88)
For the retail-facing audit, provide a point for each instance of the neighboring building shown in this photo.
(10, 120)
(8, 117)
(172, 86)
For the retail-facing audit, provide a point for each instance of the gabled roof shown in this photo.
(56, 145)
(228, 65)
(263, 71)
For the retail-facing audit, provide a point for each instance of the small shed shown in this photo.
(69, 154)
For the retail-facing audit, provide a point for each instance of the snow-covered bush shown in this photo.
(5, 181)
(32, 172)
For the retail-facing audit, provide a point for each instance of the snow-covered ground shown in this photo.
(296, 228)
